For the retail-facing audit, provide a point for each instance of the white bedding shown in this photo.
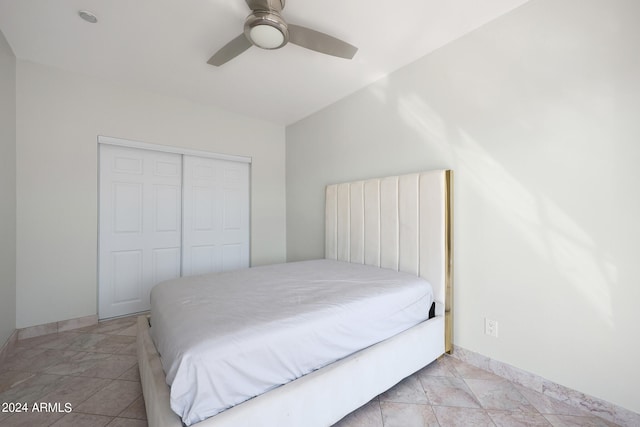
(227, 337)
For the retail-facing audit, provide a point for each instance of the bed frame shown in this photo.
(400, 222)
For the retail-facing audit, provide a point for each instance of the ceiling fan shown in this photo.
(265, 28)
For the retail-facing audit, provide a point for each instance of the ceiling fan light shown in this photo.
(266, 29)
(266, 36)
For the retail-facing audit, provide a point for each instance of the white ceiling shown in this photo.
(163, 46)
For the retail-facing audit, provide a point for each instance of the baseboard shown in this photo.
(56, 327)
(7, 347)
(593, 405)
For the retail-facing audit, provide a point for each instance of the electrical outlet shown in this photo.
(491, 327)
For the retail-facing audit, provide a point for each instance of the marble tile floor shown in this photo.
(89, 377)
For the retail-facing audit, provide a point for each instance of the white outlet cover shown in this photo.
(491, 327)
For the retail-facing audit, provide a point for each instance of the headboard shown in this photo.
(398, 222)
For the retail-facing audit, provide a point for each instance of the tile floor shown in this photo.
(89, 377)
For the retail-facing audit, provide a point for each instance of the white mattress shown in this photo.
(227, 337)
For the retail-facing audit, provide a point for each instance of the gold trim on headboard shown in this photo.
(448, 310)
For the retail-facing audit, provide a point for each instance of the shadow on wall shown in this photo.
(553, 235)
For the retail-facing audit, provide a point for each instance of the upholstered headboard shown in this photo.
(398, 222)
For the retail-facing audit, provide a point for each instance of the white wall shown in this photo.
(7, 191)
(59, 116)
(537, 113)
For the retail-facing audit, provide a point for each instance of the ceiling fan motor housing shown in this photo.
(276, 5)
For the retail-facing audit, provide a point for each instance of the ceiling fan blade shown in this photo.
(229, 51)
(320, 42)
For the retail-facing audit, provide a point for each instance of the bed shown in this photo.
(393, 224)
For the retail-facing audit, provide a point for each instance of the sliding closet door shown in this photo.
(140, 226)
(216, 215)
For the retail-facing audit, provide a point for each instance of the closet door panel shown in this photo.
(216, 215)
(166, 264)
(139, 226)
(235, 215)
(233, 257)
(201, 259)
(127, 276)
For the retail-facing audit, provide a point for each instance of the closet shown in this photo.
(166, 213)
